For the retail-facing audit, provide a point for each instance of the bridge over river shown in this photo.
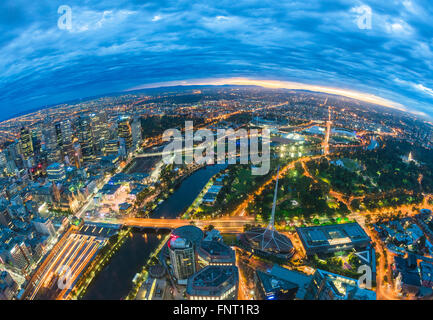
(224, 225)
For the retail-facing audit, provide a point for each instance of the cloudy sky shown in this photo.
(117, 45)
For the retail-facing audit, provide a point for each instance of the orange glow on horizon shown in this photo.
(275, 84)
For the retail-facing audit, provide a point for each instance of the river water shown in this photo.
(115, 281)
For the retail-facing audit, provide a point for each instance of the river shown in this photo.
(115, 281)
(186, 193)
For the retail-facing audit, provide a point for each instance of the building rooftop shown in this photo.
(301, 280)
(212, 281)
(332, 235)
(271, 284)
(189, 232)
(269, 241)
(216, 252)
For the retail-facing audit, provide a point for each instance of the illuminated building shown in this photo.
(44, 226)
(191, 233)
(56, 172)
(8, 286)
(26, 143)
(36, 141)
(59, 135)
(86, 138)
(18, 254)
(182, 258)
(214, 283)
(67, 142)
(270, 287)
(331, 238)
(215, 253)
(124, 132)
(98, 132)
(112, 147)
(329, 286)
(136, 132)
(51, 146)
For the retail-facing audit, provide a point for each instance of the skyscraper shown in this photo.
(136, 132)
(125, 132)
(86, 138)
(51, 143)
(182, 257)
(67, 136)
(98, 136)
(26, 143)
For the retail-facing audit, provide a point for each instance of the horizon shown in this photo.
(54, 52)
(362, 97)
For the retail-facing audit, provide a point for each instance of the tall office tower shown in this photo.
(26, 143)
(111, 147)
(182, 257)
(11, 167)
(36, 141)
(51, 147)
(85, 138)
(44, 226)
(98, 131)
(59, 137)
(18, 254)
(14, 155)
(67, 136)
(8, 286)
(136, 132)
(104, 129)
(125, 132)
(5, 217)
(3, 161)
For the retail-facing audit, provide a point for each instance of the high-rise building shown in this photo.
(136, 132)
(124, 132)
(182, 257)
(18, 254)
(3, 161)
(56, 172)
(86, 138)
(111, 147)
(44, 226)
(26, 143)
(97, 126)
(51, 143)
(8, 286)
(59, 135)
(67, 140)
(36, 141)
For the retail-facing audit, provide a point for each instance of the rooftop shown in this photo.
(212, 280)
(332, 235)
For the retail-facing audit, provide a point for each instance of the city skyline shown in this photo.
(191, 151)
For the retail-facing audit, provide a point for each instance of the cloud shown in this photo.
(116, 45)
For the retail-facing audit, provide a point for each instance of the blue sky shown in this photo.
(116, 45)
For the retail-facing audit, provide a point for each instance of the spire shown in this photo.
(271, 225)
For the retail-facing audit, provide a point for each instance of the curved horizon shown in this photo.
(112, 47)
